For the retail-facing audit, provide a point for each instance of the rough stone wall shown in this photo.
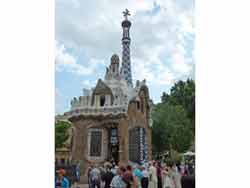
(80, 147)
(80, 144)
(139, 119)
(123, 143)
(59, 155)
(134, 118)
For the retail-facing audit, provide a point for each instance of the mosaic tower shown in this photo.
(126, 64)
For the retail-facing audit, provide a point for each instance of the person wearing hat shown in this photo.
(61, 180)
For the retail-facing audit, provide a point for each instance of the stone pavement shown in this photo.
(82, 186)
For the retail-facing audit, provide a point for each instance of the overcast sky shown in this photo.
(88, 33)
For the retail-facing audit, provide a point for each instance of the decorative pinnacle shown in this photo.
(126, 14)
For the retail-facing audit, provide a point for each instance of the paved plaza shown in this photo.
(82, 186)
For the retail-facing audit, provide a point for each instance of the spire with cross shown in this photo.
(126, 64)
(126, 14)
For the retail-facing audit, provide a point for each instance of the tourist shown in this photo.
(186, 170)
(102, 171)
(182, 169)
(114, 169)
(159, 175)
(78, 172)
(117, 181)
(88, 174)
(128, 177)
(137, 175)
(61, 180)
(152, 175)
(107, 177)
(145, 177)
(95, 178)
(167, 181)
(77, 175)
(175, 167)
(164, 173)
(176, 177)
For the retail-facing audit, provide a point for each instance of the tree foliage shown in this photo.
(174, 118)
(171, 128)
(183, 93)
(61, 134)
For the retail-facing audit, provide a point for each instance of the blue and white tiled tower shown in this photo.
(126, 64)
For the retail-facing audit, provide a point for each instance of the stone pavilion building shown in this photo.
(112, 121)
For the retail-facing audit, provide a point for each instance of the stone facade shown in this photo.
(123, 122)
(106, 116)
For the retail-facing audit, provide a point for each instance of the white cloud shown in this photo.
(94, 26)
(179, 65)
(62, 57)
(75, 3)
(88, 84)
(67, 62)
(158, 75)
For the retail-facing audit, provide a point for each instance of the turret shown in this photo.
(113, 71)
(126, 64)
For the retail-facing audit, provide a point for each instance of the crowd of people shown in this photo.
(153, 174)
(149, 175)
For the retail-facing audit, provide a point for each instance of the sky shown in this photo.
(88, 33)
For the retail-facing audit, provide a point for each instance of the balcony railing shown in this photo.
(96, 111)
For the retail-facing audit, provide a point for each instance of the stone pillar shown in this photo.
(107, 100)
(123, 140)
(79, 148)
(105, 144)
(126, 143)
(97, 101)
(121, 143)
(149, 140)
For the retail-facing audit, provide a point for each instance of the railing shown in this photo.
(96, 111)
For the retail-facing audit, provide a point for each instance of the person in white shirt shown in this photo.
(176, 176)
(152, 175)
(167, 181)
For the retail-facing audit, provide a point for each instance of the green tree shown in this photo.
(171, 128)
(183, 93)
(164, 97)
(61, 134)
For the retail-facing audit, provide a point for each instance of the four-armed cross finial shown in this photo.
(126, 14)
